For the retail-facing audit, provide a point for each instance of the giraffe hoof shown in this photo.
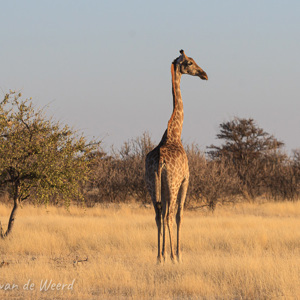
(173, 259)
(159, 260)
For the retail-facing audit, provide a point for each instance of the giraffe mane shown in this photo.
(173, 66)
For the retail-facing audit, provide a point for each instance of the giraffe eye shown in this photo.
(189, 63)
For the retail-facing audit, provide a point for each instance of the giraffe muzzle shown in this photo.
(203, 75)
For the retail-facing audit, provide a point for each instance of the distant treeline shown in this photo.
(247, 166)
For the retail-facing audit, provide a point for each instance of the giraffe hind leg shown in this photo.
(151, 182)
(180, 199)
(158, 223)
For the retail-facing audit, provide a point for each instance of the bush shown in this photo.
(120, 177)
(211, 181)
(282, 179)
(248, 147)
(39, 158)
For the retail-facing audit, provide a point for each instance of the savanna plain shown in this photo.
(246, 251)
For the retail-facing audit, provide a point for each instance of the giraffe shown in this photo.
(167, 171)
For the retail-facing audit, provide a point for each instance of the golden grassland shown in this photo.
(240, 252)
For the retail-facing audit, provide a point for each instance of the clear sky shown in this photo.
(104, 66)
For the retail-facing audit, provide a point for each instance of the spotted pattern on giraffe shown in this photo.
(167, 170)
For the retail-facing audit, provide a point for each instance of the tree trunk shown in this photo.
(13, 212)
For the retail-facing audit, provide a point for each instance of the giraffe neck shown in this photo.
(176, 120)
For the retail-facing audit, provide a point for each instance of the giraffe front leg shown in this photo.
(178, 221)
(170, 218)
(170, 227)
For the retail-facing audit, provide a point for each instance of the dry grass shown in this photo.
(243, 252)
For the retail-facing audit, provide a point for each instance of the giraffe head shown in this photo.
(186, 65)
